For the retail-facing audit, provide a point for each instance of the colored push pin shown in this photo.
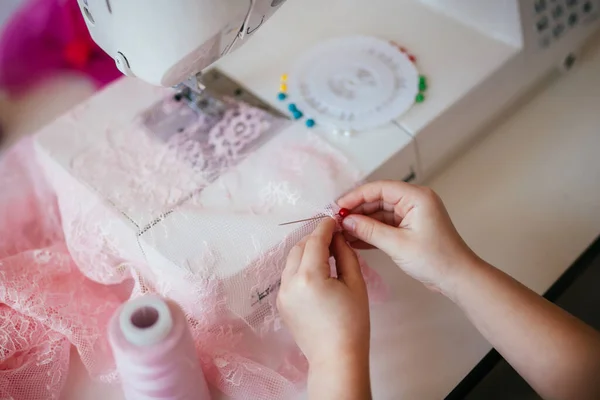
(420, 98)
(422, 83)
(310, 123)
(297, 114)
(343, 213)
(412, 58)
(283, 88)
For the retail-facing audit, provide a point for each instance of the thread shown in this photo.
(155, 352)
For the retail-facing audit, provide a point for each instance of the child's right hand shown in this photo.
(411, 225)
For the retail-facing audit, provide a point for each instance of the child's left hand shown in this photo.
(329, 317)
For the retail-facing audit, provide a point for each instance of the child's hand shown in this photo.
(411, 225)
(329, 317)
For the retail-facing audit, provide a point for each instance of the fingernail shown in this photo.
(349, 224)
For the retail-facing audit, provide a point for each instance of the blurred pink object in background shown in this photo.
(45, 37)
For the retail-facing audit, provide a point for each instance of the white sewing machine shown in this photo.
(480, 57)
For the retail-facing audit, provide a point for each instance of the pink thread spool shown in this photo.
(155, 353)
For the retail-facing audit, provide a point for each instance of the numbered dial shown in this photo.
(354, 83)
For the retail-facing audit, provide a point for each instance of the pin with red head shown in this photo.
(343, 213)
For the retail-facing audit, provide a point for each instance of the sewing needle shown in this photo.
(343, 213)
(304, 220)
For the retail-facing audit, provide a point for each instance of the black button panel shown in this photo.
(554, 18)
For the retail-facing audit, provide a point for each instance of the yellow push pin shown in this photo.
(284, 78)
(283, 88)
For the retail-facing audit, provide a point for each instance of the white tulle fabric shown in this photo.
(192, 216)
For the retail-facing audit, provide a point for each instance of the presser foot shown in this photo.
(204, 94)
(209, 97)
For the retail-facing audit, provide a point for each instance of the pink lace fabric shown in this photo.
(192, 216)
(46, 303)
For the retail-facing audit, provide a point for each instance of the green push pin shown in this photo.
(422, 83)
(420, 98)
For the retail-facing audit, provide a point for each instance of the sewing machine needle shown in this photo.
(304, 220)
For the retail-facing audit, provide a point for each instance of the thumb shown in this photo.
(373, 232)
(346, 262)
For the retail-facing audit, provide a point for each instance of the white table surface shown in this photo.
(526, 197)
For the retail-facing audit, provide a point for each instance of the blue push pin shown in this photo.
(310, 123)
(292, 107)
(297, 114)
(282, 96)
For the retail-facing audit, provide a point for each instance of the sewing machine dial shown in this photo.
(354, 83)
